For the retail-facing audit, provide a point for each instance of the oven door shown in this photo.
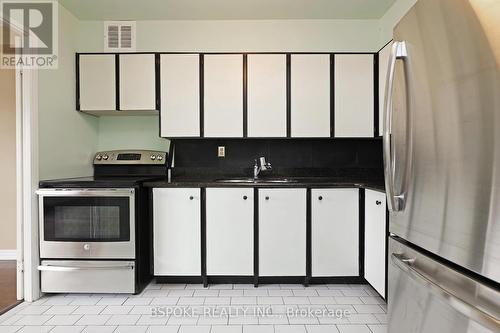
(87, 223)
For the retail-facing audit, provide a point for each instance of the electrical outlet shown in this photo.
(221, 151)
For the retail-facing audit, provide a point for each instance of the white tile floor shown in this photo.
(181, 308)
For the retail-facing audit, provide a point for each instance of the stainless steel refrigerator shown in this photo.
(442, 167)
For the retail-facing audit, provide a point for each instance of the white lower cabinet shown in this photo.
(335, 232)
(282, 232)
(230, 231)
(177, 231)
(375, 240)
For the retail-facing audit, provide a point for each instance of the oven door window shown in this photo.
(86, 219)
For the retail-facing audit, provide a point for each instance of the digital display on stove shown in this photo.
(129, 157)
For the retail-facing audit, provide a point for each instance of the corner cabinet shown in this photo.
(230, 225)
(180, 95)
(335, 232)
(310, 95)
(177, 231)
(354, 95)
(223, 95)
(137, 82)
(96, 79)
(375, 240)
(282, 232)
(383, 65)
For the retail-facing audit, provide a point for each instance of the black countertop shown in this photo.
(95, 182)
(295, 182)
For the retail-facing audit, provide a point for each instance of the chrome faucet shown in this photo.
(259, 166)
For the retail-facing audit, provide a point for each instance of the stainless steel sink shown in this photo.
(258, 180)
(235, 180)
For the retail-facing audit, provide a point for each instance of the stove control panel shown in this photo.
(133, 157)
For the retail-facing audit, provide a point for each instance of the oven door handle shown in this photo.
(86, 192)
(52, 268)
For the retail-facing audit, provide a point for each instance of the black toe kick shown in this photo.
(231, 279)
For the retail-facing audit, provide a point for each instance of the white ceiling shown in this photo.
(226, 9)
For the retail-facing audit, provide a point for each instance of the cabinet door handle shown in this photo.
(320, 198)
(378, 202)
(191, 197)
(267, 198)
(245, 197)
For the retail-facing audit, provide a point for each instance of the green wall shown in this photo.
(140, 132)
(67, 139)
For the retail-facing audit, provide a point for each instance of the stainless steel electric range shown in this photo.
(95, 232)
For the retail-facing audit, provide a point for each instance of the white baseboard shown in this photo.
(8, 254)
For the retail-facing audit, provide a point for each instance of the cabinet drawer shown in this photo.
(64, 276)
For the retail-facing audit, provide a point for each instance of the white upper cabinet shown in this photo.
(180, 95)
(266, 95)
(223, 95)
(354, 100)
(310, 95)
(383, 65)
(335, 232)
(97, 79)
(137, 82)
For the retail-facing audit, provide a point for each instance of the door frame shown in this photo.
(27, 251)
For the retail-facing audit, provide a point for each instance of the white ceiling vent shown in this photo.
(119, 36)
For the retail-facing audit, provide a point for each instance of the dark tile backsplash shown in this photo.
(289, 157)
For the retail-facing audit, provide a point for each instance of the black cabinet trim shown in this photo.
(384, 45)
(202, 95)
(288, 95)
(179, 279)
(203, 223)
(158, 90)
(255, 237)
(245, 96)
(117, 81)
(332, 95)
(157, 82)
(338, 280)
(361, 244)
(376, 111)
(308, 237)
(77, 85)
(230, 279)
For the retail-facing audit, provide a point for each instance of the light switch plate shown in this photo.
(221, 151)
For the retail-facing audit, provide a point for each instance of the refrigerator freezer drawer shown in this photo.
(64, 276)
(427, 296)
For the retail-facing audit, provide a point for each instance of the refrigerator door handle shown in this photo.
(407, 265)
(395, 202)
